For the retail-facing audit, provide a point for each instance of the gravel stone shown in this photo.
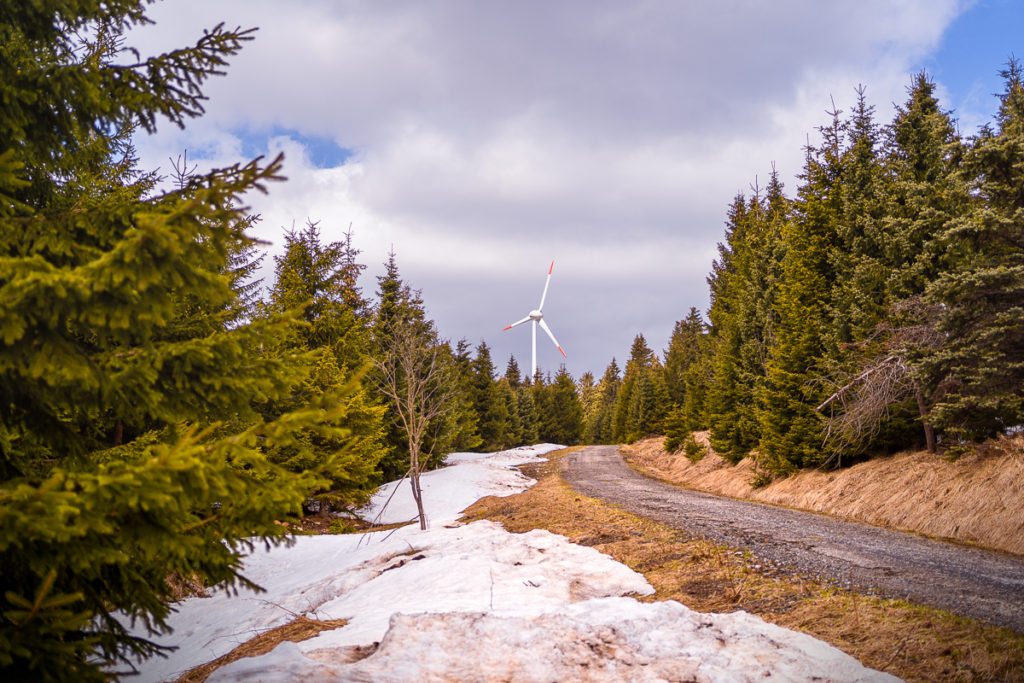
(982, 584)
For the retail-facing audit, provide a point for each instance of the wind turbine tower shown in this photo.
(537, 317)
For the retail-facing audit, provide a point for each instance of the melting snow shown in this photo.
(474, 602)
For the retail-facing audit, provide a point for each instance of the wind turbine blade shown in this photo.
(546, 283)
(518, 322)
(550, 334)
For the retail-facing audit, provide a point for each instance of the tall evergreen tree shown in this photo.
(642, 400)
(513, 375)
(489, 404)
(858, 256)
(682, 351)
(881, 401)
(320, 280)
(982, 298)
(791, 431)
(400, 307)
(513, 421)
(926, 191)
(529, 418)
(94, 333)
(465, 433)
(599, 427)
(727, 402)
(562, 420)
(590, 400)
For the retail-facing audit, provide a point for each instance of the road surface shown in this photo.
(985, 585)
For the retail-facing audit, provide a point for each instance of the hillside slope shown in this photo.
(975, 499)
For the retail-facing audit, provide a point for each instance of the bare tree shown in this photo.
(414, 373)
(886, 378)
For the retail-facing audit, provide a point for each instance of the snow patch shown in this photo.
(450, 490)
(611, 639)
(474, 602)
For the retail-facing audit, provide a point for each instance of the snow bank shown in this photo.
(611, 639)
(450, 490)
(474, 602)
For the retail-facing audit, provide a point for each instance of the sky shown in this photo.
(482, 141)
(475, 602)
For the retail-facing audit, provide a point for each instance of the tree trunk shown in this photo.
(929, 430)
(417, 493)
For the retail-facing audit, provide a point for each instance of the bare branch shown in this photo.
(412, 373)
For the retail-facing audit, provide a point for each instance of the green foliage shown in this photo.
(462, 419)
(132, 435)
(599, 425)
(320, 281)
(560, 417)
(529, 418)
(676, 432)
(683, 350)
(694, 451)
(791, 430)
(491, 408)
(981, 369)
(641, 402)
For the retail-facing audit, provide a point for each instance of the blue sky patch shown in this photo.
(322, 151)
(974, 49)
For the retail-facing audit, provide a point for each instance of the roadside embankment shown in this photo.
(975, 499)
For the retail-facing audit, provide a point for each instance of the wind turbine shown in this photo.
(538, 318)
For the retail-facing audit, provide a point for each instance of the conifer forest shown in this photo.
(162, 408)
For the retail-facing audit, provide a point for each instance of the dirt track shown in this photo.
(984, 585)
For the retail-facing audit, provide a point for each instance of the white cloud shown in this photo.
(491, 137)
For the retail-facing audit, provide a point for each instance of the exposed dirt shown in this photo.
(973, 499)
(981, 584)
(299, 629)
(917, 643)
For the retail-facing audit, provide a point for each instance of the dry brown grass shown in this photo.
(299, 629)
(915, 643)
(975, 499)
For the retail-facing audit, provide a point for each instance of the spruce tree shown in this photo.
(641, 403)
(465, 433)
(791, 430)
(926, 191)
(95, 334)
(681, 353)
(883, 403)
(319, 280)
(599, 427)
(529, 419)
(513, 375)
(982, 298)
(590, 400)
(513, 431)
(400, 308)
(858, 256)
(726, 399)
(490, 406)
(562, 422)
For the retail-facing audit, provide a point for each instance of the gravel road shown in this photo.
(985, 585)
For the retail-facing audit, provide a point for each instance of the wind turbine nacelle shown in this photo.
(535, 315)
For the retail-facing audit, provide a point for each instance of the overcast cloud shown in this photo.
(487, 139)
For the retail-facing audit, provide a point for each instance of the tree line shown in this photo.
(161, 411)
(880, 308)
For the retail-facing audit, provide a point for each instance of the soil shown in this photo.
(972, 498)
(985, 585)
